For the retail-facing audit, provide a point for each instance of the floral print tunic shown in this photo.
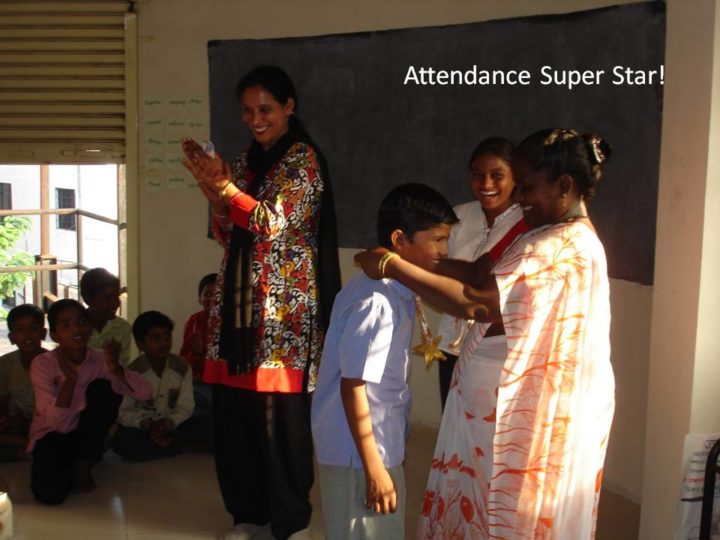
(285, 306)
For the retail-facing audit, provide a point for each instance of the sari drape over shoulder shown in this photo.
(555, 401)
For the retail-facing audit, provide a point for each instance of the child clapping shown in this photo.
(76, 401)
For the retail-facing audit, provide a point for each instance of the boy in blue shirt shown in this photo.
(361, 403)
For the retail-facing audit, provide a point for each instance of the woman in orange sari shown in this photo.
(522, 442)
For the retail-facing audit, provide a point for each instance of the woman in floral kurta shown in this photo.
(522, 442)
(273, 215)
(285, 301)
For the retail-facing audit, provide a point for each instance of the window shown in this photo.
(5, 196)
(65, 198)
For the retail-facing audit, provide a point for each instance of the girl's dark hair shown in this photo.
(497, 146)
(564, 151)
(206, 280)
(61, 305)
(148, 320)
(274, 80)
(25, 310)
(412, 208)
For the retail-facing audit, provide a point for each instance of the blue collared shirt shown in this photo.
(369, 336)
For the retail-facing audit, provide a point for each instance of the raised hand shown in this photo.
(211, 172)
(112, 356)
(68, 368)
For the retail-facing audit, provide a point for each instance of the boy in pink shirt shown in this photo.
(77, 395)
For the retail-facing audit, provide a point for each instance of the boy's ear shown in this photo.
(44, 334)
(52, 336)
(398, 239)
(139, 346)
(10, 338)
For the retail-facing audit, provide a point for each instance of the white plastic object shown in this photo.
(209, 149)
(6, 517)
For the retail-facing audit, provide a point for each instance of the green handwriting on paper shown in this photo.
(175, 123)
(154, 183)
(175, 179)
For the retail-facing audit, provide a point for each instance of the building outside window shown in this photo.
(65, 198)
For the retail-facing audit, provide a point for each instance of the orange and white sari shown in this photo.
(522, 442)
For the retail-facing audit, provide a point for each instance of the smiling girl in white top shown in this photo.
(489, 220)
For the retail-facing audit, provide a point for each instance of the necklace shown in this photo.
(429, 348)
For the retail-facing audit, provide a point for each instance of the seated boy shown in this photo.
(194, 345)
(360, 406)
(77, 395)
(100, 290)
(162, 425)
(26, 324)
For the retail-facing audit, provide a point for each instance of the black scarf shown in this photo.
(238, 345)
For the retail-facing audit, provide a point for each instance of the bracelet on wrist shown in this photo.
(384, 260)
(223, 191)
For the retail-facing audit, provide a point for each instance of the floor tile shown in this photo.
(179, 499)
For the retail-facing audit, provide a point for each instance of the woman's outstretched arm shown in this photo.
(480, 302)
(470, 272)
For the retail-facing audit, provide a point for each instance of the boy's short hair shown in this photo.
(58, 307)
(149, 320)
(94, 281)
(25, 310)
(206, 280)
(411, 208)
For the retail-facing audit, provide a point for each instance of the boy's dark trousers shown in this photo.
(54, 456)
(136, 445)
(264, 457)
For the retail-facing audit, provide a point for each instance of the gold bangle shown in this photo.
(221, 195)
(384, 260)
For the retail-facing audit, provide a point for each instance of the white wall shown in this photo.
(684, 373)
(174, 252)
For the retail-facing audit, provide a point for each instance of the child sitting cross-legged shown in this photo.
(26, 324)
(77, 395)
(360, 407)
(162, 425)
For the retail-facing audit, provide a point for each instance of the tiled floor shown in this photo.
(178, 499)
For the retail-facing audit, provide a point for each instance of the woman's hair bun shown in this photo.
(599, 149)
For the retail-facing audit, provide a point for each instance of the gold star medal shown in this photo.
(430, 346)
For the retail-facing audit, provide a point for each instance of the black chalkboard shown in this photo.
(377, 132)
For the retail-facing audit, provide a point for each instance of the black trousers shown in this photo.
(54, 456)
(137, 445)
(264, 457)
(445, 371)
